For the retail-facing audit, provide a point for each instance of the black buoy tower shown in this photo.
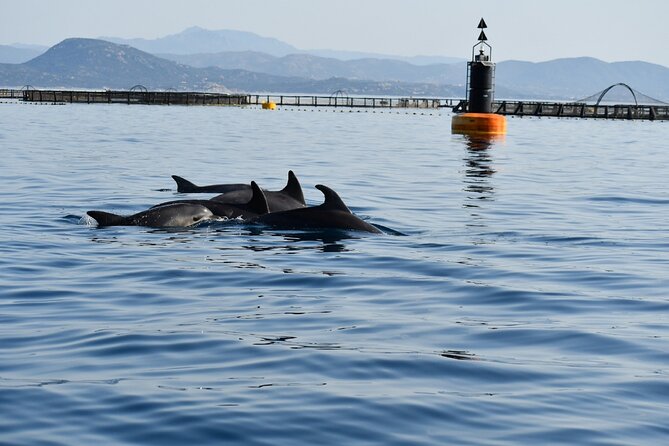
(478, 117)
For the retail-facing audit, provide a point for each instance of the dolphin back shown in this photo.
(332, 214)
(258, 202)
(107, 218)
(332, 201)
(290, 197)
(293, 188)
(184, 186)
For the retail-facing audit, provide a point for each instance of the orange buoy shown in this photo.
(478, 124)
(478, 118)
(269, 105)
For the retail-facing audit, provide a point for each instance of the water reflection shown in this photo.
(479, 169)
(328, 240)
(254, 238)
(141, 236)
(460, 355)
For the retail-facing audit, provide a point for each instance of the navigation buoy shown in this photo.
(479, 123)
(478, 117)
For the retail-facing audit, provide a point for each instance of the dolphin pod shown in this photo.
(290, 197)
(283, 209)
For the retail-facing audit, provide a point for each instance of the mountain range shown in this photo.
(198, 40)
(198, 59)
(317, 67)
(92, 63)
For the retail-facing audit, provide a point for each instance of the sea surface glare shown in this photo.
(523, 299)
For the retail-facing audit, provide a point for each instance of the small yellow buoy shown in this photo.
(269, 105)
(479, 124)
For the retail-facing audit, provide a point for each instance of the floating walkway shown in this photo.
(11, 94)
(133, 97)
(351, 101)
(508, 108)
(582, 110)
(199, 98)
(577, 110)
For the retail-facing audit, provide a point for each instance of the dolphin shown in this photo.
(171, 215)
(290, 197)
(332, 214)
(185, 186)
(257, 205)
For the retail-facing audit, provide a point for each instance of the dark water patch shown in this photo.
(621, 199)
(572, 342)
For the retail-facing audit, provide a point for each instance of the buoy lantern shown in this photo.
(478, 118)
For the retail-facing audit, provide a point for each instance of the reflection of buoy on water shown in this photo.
(269, 105)
(478, 118)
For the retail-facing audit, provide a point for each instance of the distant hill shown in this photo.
(315, 67)
(576, 78)
(199, 40)
(414, 60)
(91, 63)
(573, 78)
(16, 54)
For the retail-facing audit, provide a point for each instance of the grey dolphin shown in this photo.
(172, 215)
(290, 197)
(185, 186)
(332, 214)
(256, 205)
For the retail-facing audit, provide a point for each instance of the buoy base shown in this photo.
(269, 105)
(478, 124)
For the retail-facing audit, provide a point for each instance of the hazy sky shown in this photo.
(533, 30)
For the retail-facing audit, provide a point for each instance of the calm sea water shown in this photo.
(526, 303)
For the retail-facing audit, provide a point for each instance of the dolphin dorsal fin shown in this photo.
(106, 218)
(258, 201)
(293, 188)
(332, 200)
(183, 185)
